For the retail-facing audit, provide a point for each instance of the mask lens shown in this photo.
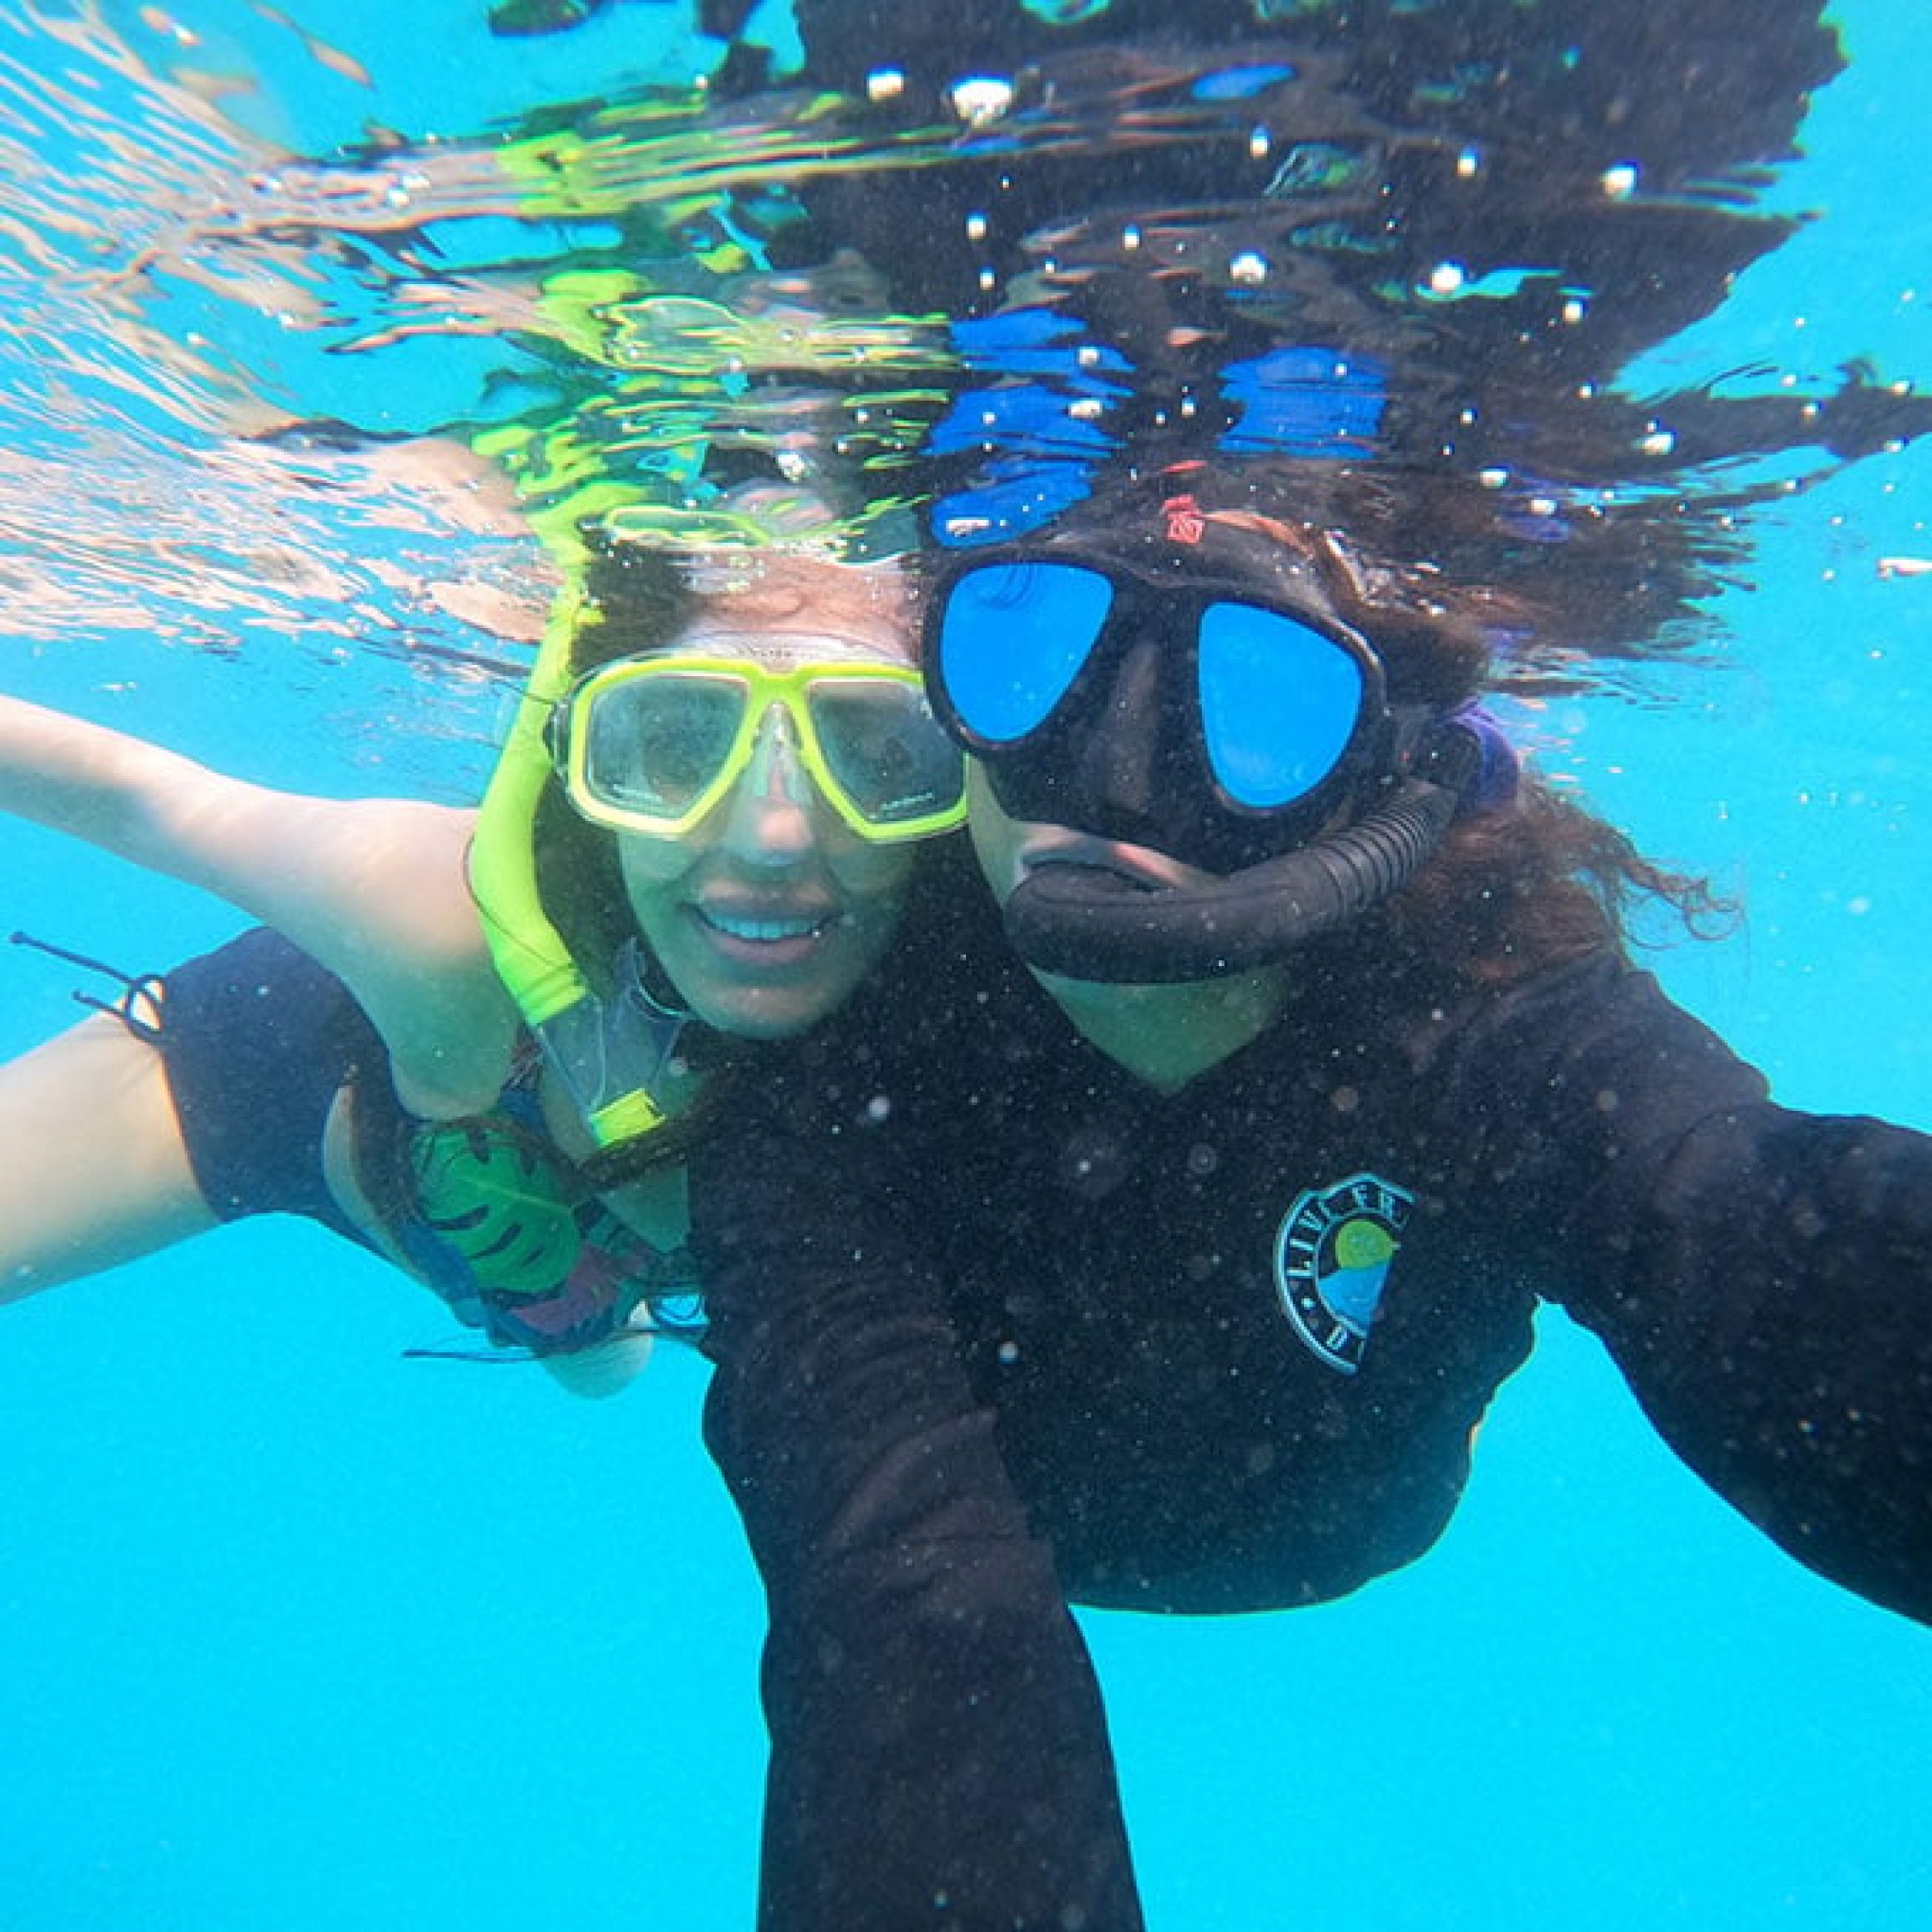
(1279, 703)
(883, 748)
(1013, 638)
(652, 744)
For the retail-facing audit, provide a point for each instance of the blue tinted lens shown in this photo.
(1012, 641)
(1279, 703)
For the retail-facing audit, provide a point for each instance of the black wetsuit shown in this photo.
(257, 1039)
(982, 1301)
(997, 1326)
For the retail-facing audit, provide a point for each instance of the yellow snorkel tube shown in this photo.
(606, 1060)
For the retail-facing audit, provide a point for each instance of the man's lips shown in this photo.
(1145, 871)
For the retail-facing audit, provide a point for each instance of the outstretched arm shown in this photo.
(373, 888)
(1762, 1278)
(938, 1749)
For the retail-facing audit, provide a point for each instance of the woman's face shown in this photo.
(769, 913)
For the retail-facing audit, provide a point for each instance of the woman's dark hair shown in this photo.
(633, 597)
(1535, 883)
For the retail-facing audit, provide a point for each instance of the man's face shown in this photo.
(1009, 848)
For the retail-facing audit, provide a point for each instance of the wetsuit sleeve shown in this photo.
(1762, 1277)
(939, 1752)
(258, 1040)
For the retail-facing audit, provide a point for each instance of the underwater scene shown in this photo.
(339, 334)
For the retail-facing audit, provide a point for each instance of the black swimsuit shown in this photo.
(259, 1040)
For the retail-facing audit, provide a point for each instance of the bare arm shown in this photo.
(95, 1169)
(374, 888)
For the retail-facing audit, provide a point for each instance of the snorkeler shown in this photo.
(1229, 1296)
(702, 828)
(699, 836)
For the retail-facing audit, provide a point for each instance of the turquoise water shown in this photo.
(302, 1634)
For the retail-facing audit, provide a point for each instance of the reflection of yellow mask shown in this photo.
(652, 744)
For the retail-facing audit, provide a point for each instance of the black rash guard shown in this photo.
(997, 1325)
(1149, 1292)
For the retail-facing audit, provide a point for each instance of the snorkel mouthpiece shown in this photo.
(1082, 923)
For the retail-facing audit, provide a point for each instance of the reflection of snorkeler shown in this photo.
(743, 65)
(1215, 1309)
(699, 829)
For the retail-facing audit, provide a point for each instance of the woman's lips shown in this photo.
(766, 935)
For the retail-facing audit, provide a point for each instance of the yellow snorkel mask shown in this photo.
(650, 744)
(655, 743)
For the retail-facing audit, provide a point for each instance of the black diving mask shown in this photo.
(1243, 734)
(1180, 713)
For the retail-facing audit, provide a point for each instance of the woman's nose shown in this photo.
(770, 817)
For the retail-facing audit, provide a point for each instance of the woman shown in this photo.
(1232, 1266)
(701, 829)
(699, 836)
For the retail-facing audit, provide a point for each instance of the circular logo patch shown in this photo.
(1331, 1261)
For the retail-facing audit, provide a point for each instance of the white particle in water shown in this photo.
(981, 99)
